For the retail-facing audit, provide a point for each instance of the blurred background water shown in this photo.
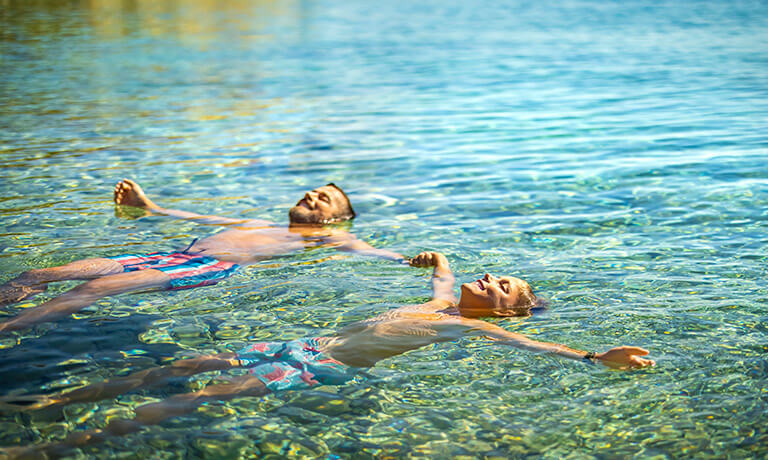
(613, 154)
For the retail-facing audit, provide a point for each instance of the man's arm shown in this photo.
(442, 277)
(129, 193)
(345, 241)
(618, 357)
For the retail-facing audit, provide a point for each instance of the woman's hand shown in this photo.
(429, 259)
(625, 358)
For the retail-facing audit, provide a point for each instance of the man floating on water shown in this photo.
(204, 262)
(303, 363)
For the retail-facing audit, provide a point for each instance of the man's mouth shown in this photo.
(480, 285)
(305, 204)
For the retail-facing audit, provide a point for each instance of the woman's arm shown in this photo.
(442, 277)
(618, 357)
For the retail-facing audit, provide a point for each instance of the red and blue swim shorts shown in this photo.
(186, 270)
(293, 365)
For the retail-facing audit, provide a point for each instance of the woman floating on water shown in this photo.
(297, 364)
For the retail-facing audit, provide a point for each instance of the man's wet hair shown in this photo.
(348, 213)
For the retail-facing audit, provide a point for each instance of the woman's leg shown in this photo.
(154, 413)
(34, 282)
(85, 294)
(145, 378)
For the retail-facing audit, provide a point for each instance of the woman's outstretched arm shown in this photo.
(442, 277)
(619, 357)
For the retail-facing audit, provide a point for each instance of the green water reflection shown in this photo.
(612, 154)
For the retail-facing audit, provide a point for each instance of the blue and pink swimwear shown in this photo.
(186, 270)
(293, 365)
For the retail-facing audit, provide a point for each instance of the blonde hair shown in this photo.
(525, 301)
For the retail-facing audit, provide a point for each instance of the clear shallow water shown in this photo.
(613, 155)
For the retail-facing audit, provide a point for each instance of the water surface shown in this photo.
(613, 154)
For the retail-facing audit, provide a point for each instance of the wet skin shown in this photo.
(243, 241)
(361, 344)
(249, 241)
(442, 319)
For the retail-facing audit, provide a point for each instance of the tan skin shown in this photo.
(243, 241)
(361, 344)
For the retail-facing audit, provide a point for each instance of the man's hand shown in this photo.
(429, 259)
(625, 358)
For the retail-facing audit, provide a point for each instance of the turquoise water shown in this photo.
(613, 154)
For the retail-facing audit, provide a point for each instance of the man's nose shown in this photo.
(488, 277)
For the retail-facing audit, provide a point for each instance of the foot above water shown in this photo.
(129, 193)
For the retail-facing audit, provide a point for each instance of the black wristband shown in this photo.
(590, 356)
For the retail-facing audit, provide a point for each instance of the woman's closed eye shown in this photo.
(325, 198)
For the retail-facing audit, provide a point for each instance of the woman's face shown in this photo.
(490, 296)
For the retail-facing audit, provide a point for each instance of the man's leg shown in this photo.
(34, 281)
(85, 294)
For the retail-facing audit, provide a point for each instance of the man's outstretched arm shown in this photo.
(618, 357)
(129, 193)
(345, 241)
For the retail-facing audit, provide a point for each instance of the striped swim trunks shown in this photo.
(293, 365)
(186, 270)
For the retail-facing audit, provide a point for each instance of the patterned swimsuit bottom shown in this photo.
(293, 365)
(186, 270)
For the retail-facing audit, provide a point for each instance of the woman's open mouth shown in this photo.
(480, 284)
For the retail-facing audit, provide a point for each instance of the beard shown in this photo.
(302, 215)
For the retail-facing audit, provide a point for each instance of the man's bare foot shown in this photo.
(14, 291)
(129, 193)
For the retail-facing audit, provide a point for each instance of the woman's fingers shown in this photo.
(635, 351)
(641, 362)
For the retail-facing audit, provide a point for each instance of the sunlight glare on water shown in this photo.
(613, 154)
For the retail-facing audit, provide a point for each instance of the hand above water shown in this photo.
(625, 358)
(429, 259)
